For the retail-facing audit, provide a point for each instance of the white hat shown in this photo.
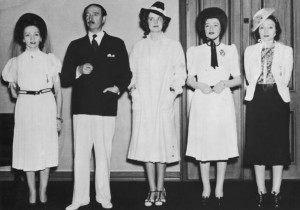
(157, 8)
(260, 17)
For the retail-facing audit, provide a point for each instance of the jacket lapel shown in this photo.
(276, 57)
(257, 62)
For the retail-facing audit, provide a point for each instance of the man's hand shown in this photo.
(86, 68)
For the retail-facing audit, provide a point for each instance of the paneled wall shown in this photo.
(240, 14)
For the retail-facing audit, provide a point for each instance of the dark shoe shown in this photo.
(275, 200)
(43, 206)
(219, 202)
(204, 201)
(31, 206)
(261, 200)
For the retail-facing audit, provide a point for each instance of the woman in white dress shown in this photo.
(212, 133)
(158, 67)
(31, 76)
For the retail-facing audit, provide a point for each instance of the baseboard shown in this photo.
(68, 176)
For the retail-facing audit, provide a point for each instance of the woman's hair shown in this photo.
(203, 17)
(26, 20)
(277, 28)
(145, 26)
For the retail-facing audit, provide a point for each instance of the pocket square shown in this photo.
(110, 55)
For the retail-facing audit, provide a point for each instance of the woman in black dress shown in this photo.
(268, 68)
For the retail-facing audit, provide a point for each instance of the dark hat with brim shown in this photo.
(157, 8)
(211, 12)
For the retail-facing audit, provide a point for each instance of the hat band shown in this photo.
(158, 10)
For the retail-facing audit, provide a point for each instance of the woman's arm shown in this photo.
(59, 100)
(13, 89)
(191, 81)
(236, 81)
(220, 86)
(288, 65)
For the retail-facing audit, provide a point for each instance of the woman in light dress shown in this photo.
(31, 77)
(158, 67)
(268, 68)
(212, 132)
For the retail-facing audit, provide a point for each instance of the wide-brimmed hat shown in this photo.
(157, 8)
(208, 13)
(260, 16)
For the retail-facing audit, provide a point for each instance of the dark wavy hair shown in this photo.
(209, 13)
(30, 19)
(145, 26)
(277, 28)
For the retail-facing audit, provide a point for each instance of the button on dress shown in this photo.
(156, 66)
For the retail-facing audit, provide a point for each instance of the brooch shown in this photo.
(222, 52)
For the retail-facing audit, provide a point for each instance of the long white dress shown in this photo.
(212, 132)
(156, 66)
(35, 143)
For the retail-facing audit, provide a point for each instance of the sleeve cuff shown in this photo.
(78, 74)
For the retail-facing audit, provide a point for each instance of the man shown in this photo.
(97, 68)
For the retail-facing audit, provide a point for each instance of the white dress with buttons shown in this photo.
(156, 66)
(212, 132)
(35, 143)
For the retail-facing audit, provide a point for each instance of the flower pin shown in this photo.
(222, 52)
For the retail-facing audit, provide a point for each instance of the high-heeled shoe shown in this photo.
(204, 201)
(31, 206)
(150, 201)
(159, 201)
(261, 200)
(43, 205)
(275, 199)
(219, 202)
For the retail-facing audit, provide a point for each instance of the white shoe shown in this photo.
(74, 206)
(107, 205)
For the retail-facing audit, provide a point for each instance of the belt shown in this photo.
(32, 92)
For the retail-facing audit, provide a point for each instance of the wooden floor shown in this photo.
(130, 195)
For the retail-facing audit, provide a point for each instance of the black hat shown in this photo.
(30, 19)
(208, 13)
(157, 8)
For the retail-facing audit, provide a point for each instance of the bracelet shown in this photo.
(60, 119)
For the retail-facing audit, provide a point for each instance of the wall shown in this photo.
(63, 18)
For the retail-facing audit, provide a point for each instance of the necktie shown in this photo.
(214, 60)
(94, 42)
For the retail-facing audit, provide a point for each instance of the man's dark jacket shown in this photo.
(111, 67)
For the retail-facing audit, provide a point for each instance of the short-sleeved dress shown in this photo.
(157, 66)
(35, 144)
(212, 132)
